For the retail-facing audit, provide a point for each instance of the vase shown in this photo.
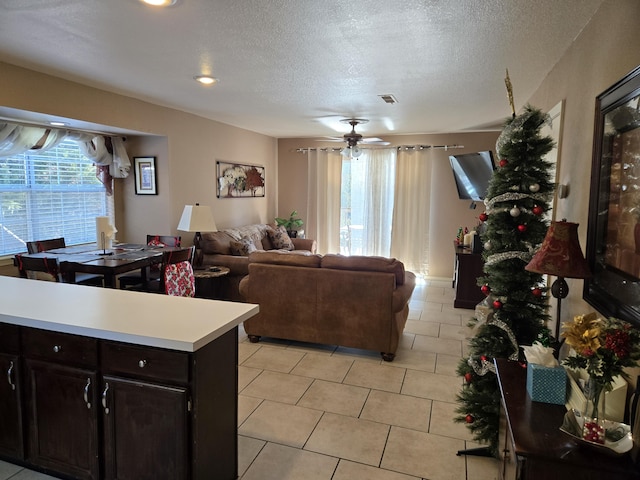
(594, 415)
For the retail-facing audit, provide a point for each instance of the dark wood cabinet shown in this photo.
(467, 268)
(11, 437)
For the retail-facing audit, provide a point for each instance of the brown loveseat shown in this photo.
(359, 302)
(217, 251)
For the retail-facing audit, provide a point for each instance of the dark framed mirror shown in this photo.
(613, 235)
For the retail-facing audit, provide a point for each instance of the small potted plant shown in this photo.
(291, 224)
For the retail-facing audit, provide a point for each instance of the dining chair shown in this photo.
(135, 279)
(42, 268)
(176, 277)
(38, 246)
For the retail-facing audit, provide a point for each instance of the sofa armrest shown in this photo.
(237, 264)
(305, 244)
(402, 293)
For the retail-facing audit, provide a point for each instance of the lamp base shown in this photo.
(197, 255)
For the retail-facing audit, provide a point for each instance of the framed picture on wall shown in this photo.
(144, 169)
(236, 181)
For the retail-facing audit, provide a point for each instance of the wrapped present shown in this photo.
(547, 384)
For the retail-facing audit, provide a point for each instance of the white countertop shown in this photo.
(148, 319)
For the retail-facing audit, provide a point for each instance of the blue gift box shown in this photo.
(547, 384)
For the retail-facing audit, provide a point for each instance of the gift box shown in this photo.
(547, 384)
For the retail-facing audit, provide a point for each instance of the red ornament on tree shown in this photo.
(468, 377)
(537, 210)
(522, 228)
(497, 304)
(483, 217)
(536, 292)
(503, 163)
(486, 289)
(469, 418)
(483, 358)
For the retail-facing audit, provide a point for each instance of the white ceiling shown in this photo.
(292, 68)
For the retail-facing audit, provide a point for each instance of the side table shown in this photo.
(208, 281)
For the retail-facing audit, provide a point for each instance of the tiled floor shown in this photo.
(313, 412)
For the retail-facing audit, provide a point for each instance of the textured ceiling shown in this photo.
(291, 68)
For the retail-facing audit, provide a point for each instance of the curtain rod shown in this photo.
(398, 147)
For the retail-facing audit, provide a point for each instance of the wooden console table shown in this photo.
(532, 447)
(467, 269)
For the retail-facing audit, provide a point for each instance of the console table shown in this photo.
(532, 447)
(468, 267)
(110, 384)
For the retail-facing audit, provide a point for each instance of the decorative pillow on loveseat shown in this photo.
(280, 238)
(295, 258)
(242, 247)
(366, 263)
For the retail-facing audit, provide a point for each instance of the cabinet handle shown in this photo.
(142, 363)
(104, 399)
(9, 375)
(86, 393)
(57, 348)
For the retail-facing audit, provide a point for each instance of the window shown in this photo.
(50, 194)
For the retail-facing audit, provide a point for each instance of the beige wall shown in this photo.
(447, 216)
(186, 148)
(603, 53)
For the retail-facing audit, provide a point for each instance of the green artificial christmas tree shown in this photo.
(515, 310)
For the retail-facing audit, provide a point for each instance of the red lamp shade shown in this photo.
(560, 254)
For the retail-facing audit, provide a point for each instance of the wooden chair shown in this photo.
(135, 279)
(43, 268)
(38, 246)
(176, 274)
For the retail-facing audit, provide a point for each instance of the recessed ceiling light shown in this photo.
(205, 79)
(58, 124)
(160, 3)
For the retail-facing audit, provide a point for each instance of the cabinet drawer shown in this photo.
(9, 338)
(145, 362)
(60, 347)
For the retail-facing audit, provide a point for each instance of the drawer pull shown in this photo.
(86, 393)
(104, 399)
(9, 375)
(142, 363)
(57, 348)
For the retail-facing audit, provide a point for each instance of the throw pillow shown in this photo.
(242, 247)
(280, 238)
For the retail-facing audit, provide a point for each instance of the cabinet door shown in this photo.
(11, 436)
(145, 430)
(63, 419)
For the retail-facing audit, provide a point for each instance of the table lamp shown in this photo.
(560, 255)
(197, 218)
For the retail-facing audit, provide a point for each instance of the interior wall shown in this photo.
(605, 51)
(448, 211)
(186, 148)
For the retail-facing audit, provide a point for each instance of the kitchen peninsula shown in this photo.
(104, 383)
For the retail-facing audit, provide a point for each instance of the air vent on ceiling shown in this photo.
(388, 98)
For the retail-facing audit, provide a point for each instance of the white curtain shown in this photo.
(379, 179)
(17, 139)
(410, 232)
(323, 200)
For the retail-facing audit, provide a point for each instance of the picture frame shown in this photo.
(613, 235)
(144, 169)
(234, 180)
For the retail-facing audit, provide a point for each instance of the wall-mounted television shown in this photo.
(472, 172)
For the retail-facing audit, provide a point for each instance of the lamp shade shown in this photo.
(560, 254)
(197, 218)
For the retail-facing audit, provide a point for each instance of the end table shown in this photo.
(208, 281)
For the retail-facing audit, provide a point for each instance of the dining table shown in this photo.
(109, 263)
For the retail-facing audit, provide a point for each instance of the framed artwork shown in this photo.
(144, 169)
(613, 236)
(236, 181)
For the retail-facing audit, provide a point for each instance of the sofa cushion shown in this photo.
(242, 247)
(280, 238)
(366, 263)
(217, 242)
(284, 257)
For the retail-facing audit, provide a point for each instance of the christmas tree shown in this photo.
(514, 312)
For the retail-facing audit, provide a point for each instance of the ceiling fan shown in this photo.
(353, 138)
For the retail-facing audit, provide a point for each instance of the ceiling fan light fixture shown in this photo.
(356, 151)
(346, 152)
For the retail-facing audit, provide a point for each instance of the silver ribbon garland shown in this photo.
(499, 257)
(510, 197)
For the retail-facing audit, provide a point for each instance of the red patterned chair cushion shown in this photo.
(179, 280)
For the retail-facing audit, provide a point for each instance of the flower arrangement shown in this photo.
(604, 347)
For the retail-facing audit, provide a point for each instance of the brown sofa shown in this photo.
(359, 302)
(217, 251)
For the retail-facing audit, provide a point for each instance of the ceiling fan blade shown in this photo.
(374, 141)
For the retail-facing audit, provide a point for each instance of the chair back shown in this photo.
(163, 240)
(44, 245)
(177, 277)
(43, 268)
